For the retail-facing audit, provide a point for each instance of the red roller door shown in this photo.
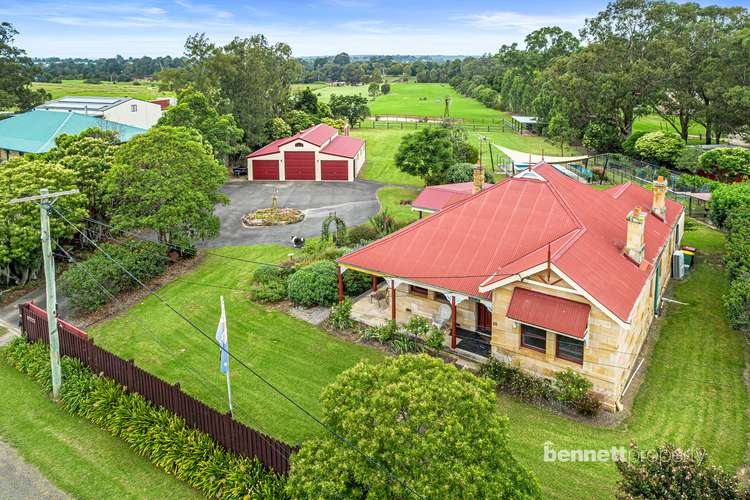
(299, 165)
(334, 170)
(264, 170)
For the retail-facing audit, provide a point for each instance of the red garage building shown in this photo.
(318, 153)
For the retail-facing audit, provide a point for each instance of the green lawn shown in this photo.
(652, 123)
(146, 91)
(381, 148)
(694, 394)
(390, 199)
(78, 457)
(297, 357)
(382, 145)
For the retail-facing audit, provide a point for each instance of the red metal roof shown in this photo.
(343, 145)
(549, 312)
(436, 197)
(317, 135)
(507, 228)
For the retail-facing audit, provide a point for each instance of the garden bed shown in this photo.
(273, 217)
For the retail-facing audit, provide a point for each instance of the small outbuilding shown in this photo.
(126, 110)
(318, 153)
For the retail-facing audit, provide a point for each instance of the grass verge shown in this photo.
(79, 458)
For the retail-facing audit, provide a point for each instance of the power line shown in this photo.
(348, 443)
(200, 377)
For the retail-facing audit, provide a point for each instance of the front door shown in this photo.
(484, 319)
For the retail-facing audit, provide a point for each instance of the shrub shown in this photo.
(320, 250)
(340, 316)
(571, 386)
(669, 472)
(661, 147)
(417, 326)
(356, 283)
(359, 235)
(152, 432)
(589, 405)
(435, 338)
(725, 198)
(688, 158)
(144, 259)
(513, 380)
(737, 303)
(628, 145)
(601, 138)
(727, 164)
(403, 344)
(315, 284)
(383, 223)
(464, 172)
(270, 284)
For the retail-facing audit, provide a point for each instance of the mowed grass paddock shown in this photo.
(693, 395)
(297, 357)
(145, 91)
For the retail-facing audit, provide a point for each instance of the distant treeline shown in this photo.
(115, 69)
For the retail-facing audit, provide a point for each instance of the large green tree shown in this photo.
(432, 425)
(16, 74)
(20, 250)
(166, 180)
(194, 110)
(90, 155)
(430, 152)
(352, 107)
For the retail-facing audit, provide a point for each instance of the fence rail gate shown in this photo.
(233, 435)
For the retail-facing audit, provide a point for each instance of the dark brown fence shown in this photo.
(231, 434)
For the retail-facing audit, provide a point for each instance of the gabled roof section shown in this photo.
(35, 131)
(488, 239)
(462, 245)
(434, 198)
(344, 146)
(316, 135)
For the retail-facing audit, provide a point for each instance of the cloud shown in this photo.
(518, 21)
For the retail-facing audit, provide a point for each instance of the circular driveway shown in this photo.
(355, 202)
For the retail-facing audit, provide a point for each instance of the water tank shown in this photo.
(678, 265)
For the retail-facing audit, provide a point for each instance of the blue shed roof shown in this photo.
(35, 131)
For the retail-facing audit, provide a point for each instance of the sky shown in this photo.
(91, 28)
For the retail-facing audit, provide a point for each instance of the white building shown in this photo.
(133, 112)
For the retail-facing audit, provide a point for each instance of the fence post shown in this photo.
(129, 375)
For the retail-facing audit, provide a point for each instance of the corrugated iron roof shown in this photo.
(510, 227)
(549, 312)
(317, 135)
(35, 131)
(342, 145)
(436, 197)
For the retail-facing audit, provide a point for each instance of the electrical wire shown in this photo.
(143, 327)
(265, 381)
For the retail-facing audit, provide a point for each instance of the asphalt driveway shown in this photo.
(355, 202)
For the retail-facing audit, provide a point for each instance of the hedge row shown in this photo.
(144, 259)
(151, 431)
(737, 259)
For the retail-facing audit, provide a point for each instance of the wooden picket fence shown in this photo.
(233, 435)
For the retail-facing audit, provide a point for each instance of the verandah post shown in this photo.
(374, 285)
(453, 322)
(341, 285)
(393, 300)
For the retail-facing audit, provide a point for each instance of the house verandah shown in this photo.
(467, 320)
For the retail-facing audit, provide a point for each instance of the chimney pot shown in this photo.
(635, 243)
(659, 205)
(478, 178)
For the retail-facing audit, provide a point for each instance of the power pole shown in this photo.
(46, 200)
